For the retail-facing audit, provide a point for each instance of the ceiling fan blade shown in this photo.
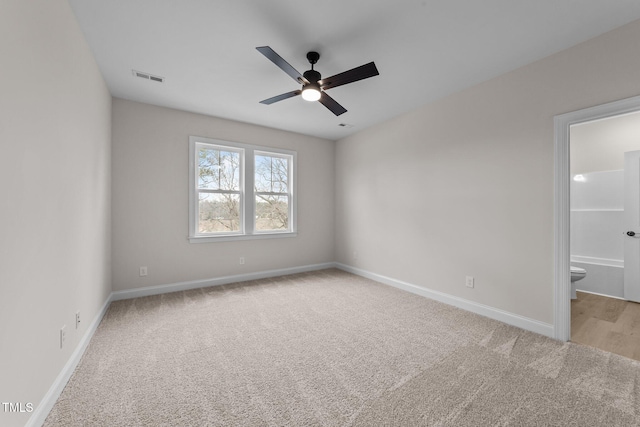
(281, 63)
(359, 73)
(331, 104)
(281, 97)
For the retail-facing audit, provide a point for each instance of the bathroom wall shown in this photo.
(600, 145)
(597, 240)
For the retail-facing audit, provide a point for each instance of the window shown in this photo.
(271, 191)
(239, 191)
(218, 189)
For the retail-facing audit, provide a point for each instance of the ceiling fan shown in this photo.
(313, 85)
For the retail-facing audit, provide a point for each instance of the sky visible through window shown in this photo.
(218, 169)
(271, 174)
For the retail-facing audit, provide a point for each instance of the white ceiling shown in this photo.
(424, 50)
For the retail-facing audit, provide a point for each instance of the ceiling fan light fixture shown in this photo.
(311, 92)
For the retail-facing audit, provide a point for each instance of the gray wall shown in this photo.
(151, 191)
(55, 133)
(464, 186)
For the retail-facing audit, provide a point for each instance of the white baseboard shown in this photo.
(46, 404)
(600, 295)
(474, 307)
(195, 284)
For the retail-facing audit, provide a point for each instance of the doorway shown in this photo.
(562, 258)
(604, 187)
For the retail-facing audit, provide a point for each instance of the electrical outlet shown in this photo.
(469, 282)
(143, 271)
(63, 335)
(355, 255)
(77, 319)
(241, 260)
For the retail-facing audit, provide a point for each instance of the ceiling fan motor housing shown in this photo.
(312, 76)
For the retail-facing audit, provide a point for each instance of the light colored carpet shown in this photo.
(332, 349)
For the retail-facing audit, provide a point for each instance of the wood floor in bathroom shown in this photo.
(606, 323)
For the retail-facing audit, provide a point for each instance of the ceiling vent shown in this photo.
(148, 76)
(345, 125)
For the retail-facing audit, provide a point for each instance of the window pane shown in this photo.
(272, 174)
(272, 212)
(219, 213)
(218, 169)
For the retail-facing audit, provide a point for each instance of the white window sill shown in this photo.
(232, 238)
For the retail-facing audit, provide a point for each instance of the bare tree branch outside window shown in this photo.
(218, 190)
(272, 192)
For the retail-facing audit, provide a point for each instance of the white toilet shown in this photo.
(577, 273)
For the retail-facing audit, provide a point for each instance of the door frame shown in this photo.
(562, 208)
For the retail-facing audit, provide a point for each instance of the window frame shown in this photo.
(247, 191)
